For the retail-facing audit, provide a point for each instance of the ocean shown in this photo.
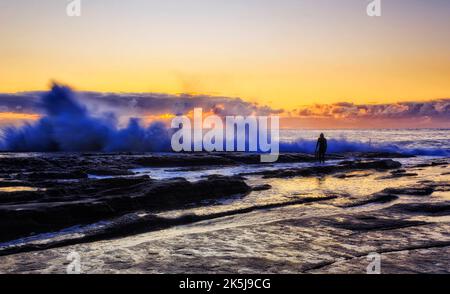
(33, 185)
(419, 142)
(426, 142)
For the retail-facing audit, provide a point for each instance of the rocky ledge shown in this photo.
(344, 166)
(65, 204)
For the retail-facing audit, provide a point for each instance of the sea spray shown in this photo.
(343, 145)
(67, 125)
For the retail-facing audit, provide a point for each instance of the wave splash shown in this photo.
(68, 126)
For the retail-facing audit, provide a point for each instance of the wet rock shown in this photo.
(442, 188)
(351, 175)
(330, 169)
(262, 187)
(433, 208)
(134, 223)
(115, 185)
(215, 177)
(180, 160)
(188, 169)
(219, 158)
(397, 174)
(377, 198)
(369, 223)
(377, 165)
(423, 188)
(412, 191)
(23, 163)
(338, 194)
(286, 236)
(20, 197)
(13, 183)
(381, 155)
(54, 175)
(391, 194)
(433, 163)
(93, 200)
(249, 158)
(109, 172)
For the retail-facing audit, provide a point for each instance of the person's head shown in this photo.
(322, 136)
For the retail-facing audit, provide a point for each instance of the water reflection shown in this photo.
(17, 189)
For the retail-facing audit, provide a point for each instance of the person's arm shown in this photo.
(317, 145)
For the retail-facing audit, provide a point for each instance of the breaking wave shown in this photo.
(68, 126)
(344, 145)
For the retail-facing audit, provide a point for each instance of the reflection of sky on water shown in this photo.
(17, 189)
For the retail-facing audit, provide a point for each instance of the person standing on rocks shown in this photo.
(321, 148)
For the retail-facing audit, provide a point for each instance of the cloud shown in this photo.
(140, 104)
(21, 102)
(22, 107)
(436, 109)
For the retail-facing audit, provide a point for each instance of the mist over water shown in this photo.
(68, 125)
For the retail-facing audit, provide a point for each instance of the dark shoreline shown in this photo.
(129, 204)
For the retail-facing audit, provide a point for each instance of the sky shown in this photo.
(288, 54)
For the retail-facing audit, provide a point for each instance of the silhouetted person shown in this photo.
(321, 148)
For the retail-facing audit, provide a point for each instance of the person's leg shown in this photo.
(322, 156)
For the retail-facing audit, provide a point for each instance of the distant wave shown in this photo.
(344, 145)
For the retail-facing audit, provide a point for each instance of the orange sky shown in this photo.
(285, 55)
